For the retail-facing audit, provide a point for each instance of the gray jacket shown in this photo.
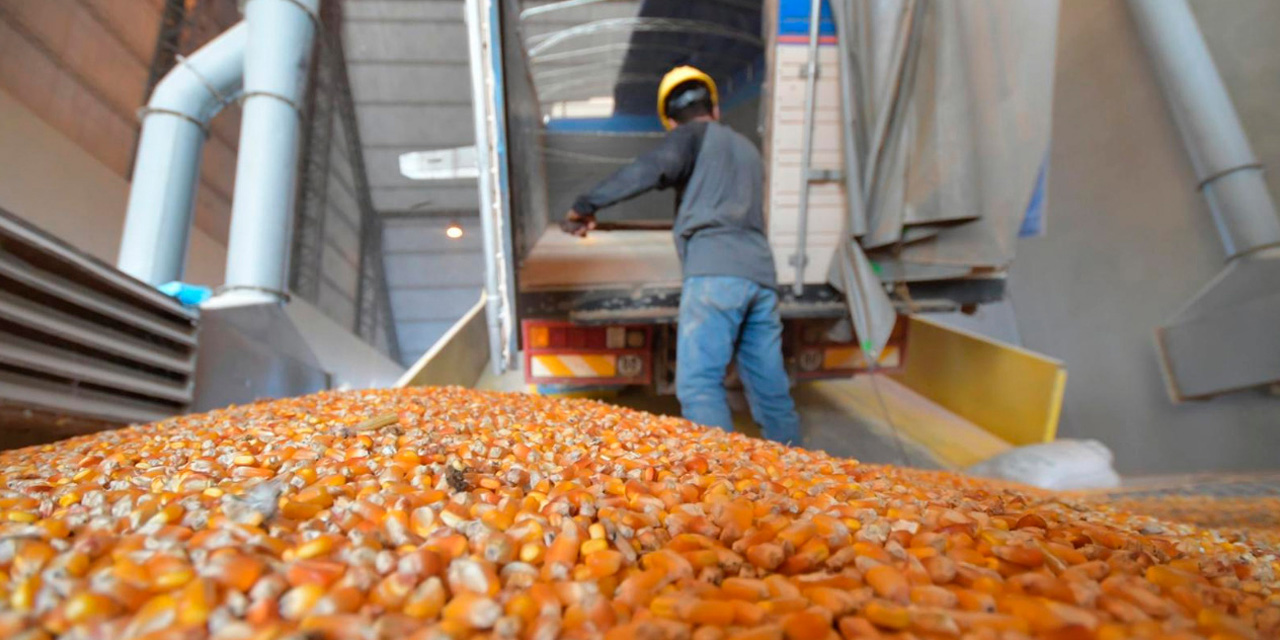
(719, 179)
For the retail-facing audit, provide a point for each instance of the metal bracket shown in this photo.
(798, 260)
(143, 112)
(274, 96)
(1225, 172)
(825, 175)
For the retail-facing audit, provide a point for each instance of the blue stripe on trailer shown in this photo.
(617, 124)
(793, 18)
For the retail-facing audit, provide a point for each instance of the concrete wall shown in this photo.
(55, 184)
(82, 67)
(353, 363)
(1242, 38)
(1130, 240)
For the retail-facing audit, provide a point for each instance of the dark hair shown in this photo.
(689, 100)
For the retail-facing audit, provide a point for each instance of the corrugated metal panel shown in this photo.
(373, 82)
(434, 270)
(79, 338)
(411, 85)
(336, 304)
(428, 197)
(382, 10)
(416, 338)
(431, 278)
(419, 305)
(341, 202)
(342, 274)
(406, 40)
(391, 124)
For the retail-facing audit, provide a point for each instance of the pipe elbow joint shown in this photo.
(199, 86)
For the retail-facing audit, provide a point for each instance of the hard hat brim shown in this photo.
(677, 77)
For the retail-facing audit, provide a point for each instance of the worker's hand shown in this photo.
(578, 224)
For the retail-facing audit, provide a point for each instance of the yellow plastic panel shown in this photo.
(885, 406)
(1011, 392)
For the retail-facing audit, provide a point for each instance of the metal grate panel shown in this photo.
(82, 340)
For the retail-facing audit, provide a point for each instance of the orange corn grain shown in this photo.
(562, 554)
(749, 589)
(807, 625)
(604, 563)
(747, 614)
(427, 599)
(447, 513)
(472, 611)
(887, 615)
(888, 582)
(87, 606)
(766, 556)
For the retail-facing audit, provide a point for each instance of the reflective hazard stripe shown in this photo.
(563, 366)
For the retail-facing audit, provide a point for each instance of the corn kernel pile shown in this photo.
(445, 513)
(1258, 517)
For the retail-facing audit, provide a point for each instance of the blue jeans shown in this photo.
(721, 316)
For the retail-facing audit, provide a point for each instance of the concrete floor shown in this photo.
(831, 425)
(826, 423)
(845, 418)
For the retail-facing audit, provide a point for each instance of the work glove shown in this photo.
(577, 224)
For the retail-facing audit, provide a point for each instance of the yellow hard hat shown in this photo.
(677, 77)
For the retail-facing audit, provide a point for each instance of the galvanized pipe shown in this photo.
(275, 76)
(166, 173)
(1229, 174)
(801, 257)
(488, 225)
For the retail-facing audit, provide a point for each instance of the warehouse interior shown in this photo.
(1128, 237)
(359, 320)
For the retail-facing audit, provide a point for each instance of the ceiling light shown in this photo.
(454, 231)
(440, 164)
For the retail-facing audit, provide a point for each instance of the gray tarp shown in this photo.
(960, 100)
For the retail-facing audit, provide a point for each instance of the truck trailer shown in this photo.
(905, 147)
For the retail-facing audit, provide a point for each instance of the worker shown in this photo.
(729, 304)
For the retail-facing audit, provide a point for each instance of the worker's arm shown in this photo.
(668, 165)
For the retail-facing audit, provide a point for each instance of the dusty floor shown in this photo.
(827, 423)
(875, 422)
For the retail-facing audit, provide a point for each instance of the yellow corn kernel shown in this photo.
(87, 606)
(314, 548)
(592, 546)
(23, 596)
(427, 600)
(886, 615)
(299, 601)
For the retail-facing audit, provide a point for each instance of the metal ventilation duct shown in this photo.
(80, 339)
(175, 123)
(1225, 338)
